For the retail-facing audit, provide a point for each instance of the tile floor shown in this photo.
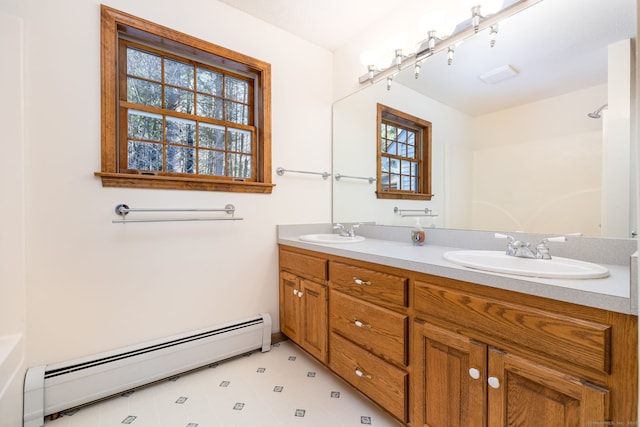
(280, 388)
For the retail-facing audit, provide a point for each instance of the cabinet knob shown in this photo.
(361, 282)
(494, 382)
(474, 373)
(295, 292)
(359, 324)
(300, 293)
(362, 374)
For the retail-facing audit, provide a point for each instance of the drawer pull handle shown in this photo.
(474, 373)
(494, 382)
(362, 374)
(359, 324)
(361, 282)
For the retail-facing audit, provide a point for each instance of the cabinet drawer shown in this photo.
(370, 285)
(382, 382)
(577, 341)
(305, 265)
(377, 329)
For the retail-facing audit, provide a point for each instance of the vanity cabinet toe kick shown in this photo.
(408, 340)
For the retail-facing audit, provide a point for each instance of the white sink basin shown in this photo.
(330, 238)
(555, 268)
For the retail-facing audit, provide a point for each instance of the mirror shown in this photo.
(521, 154)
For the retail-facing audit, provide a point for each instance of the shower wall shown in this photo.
(552, 149)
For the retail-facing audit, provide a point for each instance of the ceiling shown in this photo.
(557, 46)
(326, 23)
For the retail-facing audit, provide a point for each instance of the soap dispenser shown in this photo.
(417, 234)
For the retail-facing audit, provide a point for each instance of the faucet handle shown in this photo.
(511, 250)
(555, 239)
(504, 236)
(542, 250)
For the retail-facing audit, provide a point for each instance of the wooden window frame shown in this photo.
(423, 128)
(114, 23)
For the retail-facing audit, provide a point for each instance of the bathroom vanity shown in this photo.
(441, 345)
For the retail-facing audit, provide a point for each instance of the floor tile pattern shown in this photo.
(280, 388)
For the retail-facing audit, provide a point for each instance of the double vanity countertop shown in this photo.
(391, 246)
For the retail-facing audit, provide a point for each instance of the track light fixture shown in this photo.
(442, 35)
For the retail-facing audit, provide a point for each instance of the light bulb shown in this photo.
(398, 41)
(441, 21)
(370, 57)
(450, 52)
(417, 69)
(490, 7)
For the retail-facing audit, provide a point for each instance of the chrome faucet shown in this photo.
(346, 231)
(520, 249)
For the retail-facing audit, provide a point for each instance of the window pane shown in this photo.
(178, 100)
(239, 140)
(144, 156)
(209, 82)
(385, 146)
(394, 165)
(411, 138)
(143, 92)
(393, 181)
(211, 163)
(180, 131)
(143, 125)
(411, 151)
(143, 64)
(406, 183)
(402, 135)
(405, 167)
(181, 159)
(178, 74)
(240, 165)
(208, 106)
(236, 90)
(402, 150)
(384, 164)
(392, 133)
(236, 113)
(211, 136)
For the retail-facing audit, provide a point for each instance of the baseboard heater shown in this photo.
(49, 389)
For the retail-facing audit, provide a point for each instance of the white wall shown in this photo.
(92, 285)
(12, 227)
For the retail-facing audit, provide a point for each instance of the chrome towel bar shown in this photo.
(123, 210)
(416, 212)
(370, 179)
(280, 171)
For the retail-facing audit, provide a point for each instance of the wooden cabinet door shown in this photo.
(448, 379)
(314, 318)
(290, 306)
(525, 394)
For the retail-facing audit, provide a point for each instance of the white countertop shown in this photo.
(611, 293)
